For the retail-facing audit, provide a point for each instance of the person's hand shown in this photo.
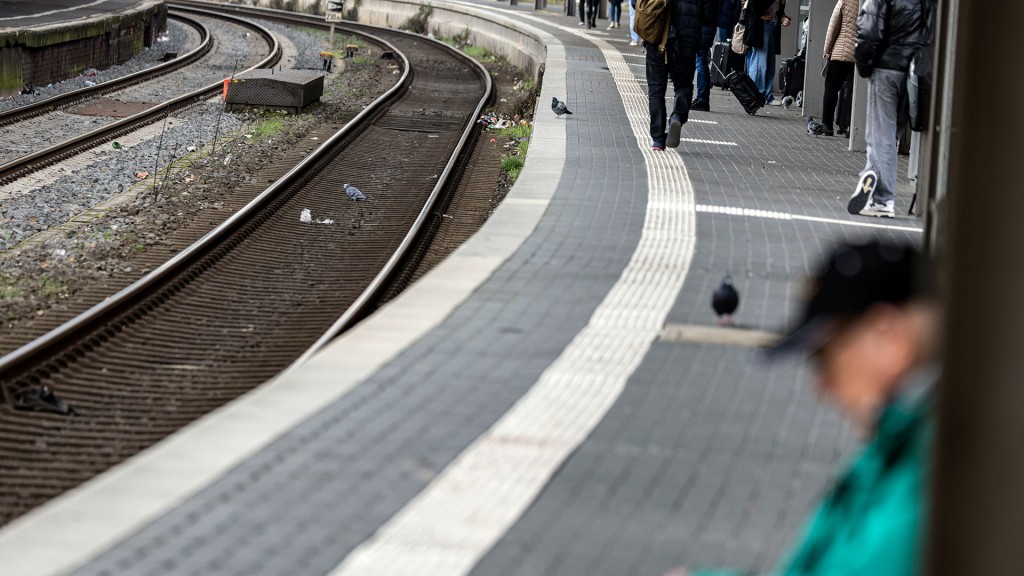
(786, 20)
(678, 571)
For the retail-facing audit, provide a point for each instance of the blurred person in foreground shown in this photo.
(869, 324)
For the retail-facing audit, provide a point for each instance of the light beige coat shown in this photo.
(842, 31)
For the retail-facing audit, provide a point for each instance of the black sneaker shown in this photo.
(675, 126)
(865, 187)
(700, 106)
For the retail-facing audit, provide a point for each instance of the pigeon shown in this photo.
(725, 301)
(811, 124)
(354, 192)
(559, 107)
(787, 102)
(41, 399)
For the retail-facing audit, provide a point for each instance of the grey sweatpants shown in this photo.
(883, 103)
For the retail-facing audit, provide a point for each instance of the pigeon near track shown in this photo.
(725, 301)
(354, 192)
(558, 107)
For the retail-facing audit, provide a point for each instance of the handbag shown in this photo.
(739, 30)
(737, 39)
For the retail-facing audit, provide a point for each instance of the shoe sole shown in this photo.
(877, 214)
(862, 194)
(674, 128)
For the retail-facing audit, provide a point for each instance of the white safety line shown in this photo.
(695, 121)
(715, 142)
(772, 215)
(95, 3)
(449, 526)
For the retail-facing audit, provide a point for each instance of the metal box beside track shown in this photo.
(289, 90)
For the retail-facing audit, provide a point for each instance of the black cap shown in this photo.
(851, 280)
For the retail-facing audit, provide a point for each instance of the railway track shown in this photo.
(29, 163)
(252, 297)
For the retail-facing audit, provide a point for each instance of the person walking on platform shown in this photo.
(614, 13)
(634, 38)
(728, 15)
(839, 57)
(890, 34)
(591, 13)
(583, 12)
(678, 63)
(762, 36)
(870, 325)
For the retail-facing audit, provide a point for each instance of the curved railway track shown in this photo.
(252, 296)
(29, 163)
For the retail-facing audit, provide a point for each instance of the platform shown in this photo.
(529, 407)
(43, 42)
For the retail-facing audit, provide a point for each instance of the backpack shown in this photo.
(651, 22)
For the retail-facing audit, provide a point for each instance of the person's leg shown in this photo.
(880, 131)
(833, 83)
(633, 37)
(769, 62)
(756, 66)
(849, 68)
(657, 83)
(682, 62)
(702, 62)
(723, 34)
(583, 11)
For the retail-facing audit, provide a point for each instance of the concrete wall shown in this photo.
(38, 56)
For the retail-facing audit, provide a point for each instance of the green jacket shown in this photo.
(871, 521)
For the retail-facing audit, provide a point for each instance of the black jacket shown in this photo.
(889, 34)
(688, 16)
(751, 18)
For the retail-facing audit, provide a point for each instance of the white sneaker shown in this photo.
(634, 43)
(610, 26)
(885, 209)
(862, 194)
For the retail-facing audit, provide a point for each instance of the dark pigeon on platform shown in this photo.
(41, 399)
(725, 301)
(559, 107)
(354, 192)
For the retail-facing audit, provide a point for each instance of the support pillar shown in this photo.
(977, 512)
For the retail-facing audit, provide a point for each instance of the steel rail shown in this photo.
(366, 301)
(71, 98)
(42, 158)
(23, 358)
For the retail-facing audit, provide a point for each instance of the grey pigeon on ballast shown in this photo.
(354, 192)
(559, 107)
(725, 301)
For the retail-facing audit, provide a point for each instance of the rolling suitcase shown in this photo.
(724, 61)
(745, 91)
(791, 76)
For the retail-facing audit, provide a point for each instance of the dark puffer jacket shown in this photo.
(688, 16)
(889, 34)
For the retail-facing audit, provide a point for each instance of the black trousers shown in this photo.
(838, 73)
(682, 62)
(592, 13)
(583, 10)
